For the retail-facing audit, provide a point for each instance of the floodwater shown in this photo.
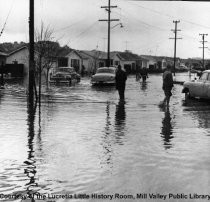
(83, 141)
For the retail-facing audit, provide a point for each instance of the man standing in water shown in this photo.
(120, 79)
(144, 74)
(167, 85)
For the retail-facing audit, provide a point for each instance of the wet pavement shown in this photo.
(83, 140)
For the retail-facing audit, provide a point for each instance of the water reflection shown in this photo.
(167, 129)
(199, 109)
(143, 86)
(30, 163)
(120, 117)
(103, 88)
(110, 138)
(1, 95)
(106, 141)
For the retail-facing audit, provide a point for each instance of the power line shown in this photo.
(69, 26)
(167, 15)
(142, 22)
(83, 32)
(6, 19)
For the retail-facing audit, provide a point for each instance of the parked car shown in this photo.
(65, 75)
(199, 88)
(71, 71)
(60, 78)
(104, 76)
(182, 68)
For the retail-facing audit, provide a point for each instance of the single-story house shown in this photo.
(19, 56)
(101, 58)
(151, 62)
(78, 59)
(131, 62)
(90, 60)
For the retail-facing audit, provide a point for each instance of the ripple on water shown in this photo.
(86, 141)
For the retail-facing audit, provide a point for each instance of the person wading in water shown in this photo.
(144, 74)
(167, 85)
(120, 79)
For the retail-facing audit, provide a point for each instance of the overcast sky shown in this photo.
(146, 24)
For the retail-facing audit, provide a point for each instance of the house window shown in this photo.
(117, 63)
(76, 64)
(164, 64)
(101, 64)
(63, 62)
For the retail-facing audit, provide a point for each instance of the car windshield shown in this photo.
(204, 76)
(107, 70)
(65, 70)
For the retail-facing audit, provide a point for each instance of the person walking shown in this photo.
(138, 75)
(144, 74)
(167, 85)
(120, 79)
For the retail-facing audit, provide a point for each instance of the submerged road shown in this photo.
(83, 141)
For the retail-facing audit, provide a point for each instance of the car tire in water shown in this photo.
(188, 95)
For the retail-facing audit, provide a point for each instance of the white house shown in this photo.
(77, 59)
(91, 60)
(20, 56)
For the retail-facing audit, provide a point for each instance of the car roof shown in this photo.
(66, 67)
(58, 72)
(114, 68)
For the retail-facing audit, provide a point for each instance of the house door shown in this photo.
(127, 68)
(76, 64)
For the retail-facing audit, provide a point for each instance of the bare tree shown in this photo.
(46, 51)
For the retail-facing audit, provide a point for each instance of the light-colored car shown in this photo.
(104, 76)
(199, 88)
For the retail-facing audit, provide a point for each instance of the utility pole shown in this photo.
(108, 9)
(126, 45)
(104, 43)
(31, 54)
(203, 41)
(175, 32)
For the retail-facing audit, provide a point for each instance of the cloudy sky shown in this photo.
(146, 28)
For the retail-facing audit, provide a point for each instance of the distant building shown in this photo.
(3, 57)
(77, 59)
(19, 56)
(91, 60)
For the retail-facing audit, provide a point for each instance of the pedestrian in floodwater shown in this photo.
(138, 75)
(120, 79)
(144, 74)
(167, 85)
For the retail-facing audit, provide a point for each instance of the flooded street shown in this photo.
(82, 140)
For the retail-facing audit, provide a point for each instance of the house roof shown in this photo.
(63, 53)
(129, 56)
(18, 49)
(3, 54)
(100, 54)
(81, 54)
(148, 57)
(95, 54)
